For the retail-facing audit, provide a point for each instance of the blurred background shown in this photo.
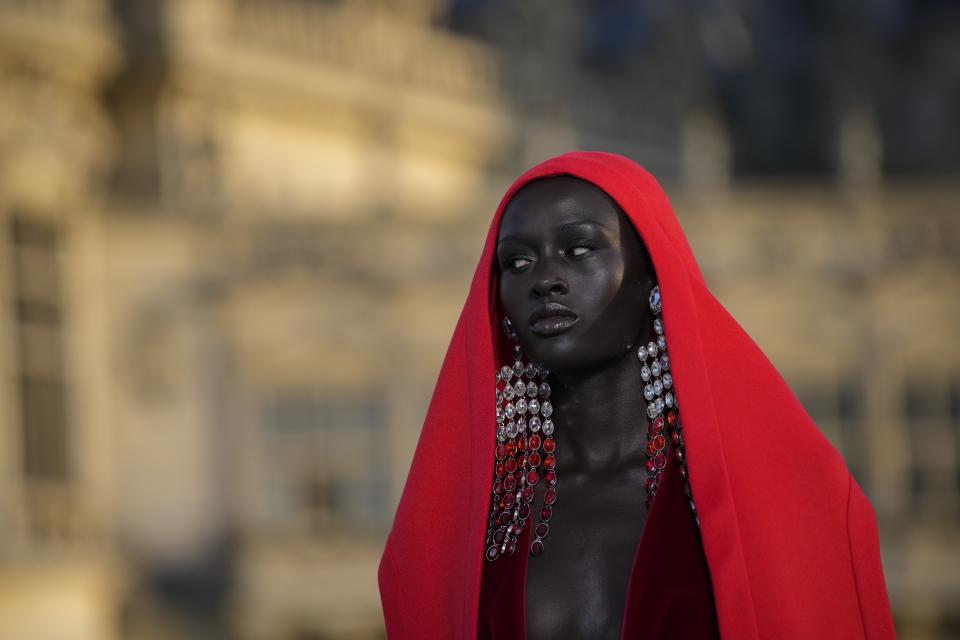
(235, 237)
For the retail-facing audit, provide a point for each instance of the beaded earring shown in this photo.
(524, 426)
(524, 440)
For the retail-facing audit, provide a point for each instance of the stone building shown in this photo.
(235, 236)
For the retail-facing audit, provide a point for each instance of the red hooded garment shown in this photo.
(788, 538)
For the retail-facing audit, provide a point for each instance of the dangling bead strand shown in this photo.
(662, 409)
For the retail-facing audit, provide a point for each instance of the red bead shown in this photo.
(656, 426)
(550, 496)
(551, 478)
(546, 513)
(527, 495)
(501, 469)
(492, 552)
(542, 530)
(532, 478)
(675, 437)
(521, 444)
(498, 488)
(508, 501)
(505, 518)
(534, 459)
(511, 448)
(511, 546)
(525, 508)
(651, 467)
(536, 548)
(650, 449)
(549, 462)
(510, 483)
(671, 417)
(534, 442)
(549, 445)
(501, 451)
(511, 465)
(499, 534)
(660, 461)
(659, 442)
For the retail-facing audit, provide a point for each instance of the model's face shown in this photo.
(574, 275)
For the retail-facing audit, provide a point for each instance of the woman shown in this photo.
(755, 527)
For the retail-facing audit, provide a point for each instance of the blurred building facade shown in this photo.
(236, 236)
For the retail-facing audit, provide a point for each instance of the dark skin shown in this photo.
(563, 240)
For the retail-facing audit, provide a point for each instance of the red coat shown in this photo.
(789, 540)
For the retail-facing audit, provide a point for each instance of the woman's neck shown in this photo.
(601, 416)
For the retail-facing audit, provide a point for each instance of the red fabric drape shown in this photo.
(789, 539)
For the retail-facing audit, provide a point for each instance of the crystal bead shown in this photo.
(655, 368)
(662, 343)
(519, 388)
(667, 381)
(543, 372)
(642, 353)
(656, 426)
(665, 362)
(518, 368)
(648, 392)
(510, 410)
(532, 389)
(652, 410)
(501, 433)
(547, 410)
(534, 424)
(512, 429)
(501, 416)
(533, 406)
(658, 326)
(498, 377)
(659, 403)
(548, 427)
(655, 301)
(521, 406)
(657, 387)
(506, 373)
(508, 394)
(645, 373)
(652, 349)
(499, 396)
(668, 400)
(531, 370)
(544, 390)
(521, 425)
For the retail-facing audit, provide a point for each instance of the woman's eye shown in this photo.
(579, 250)
(517, 263)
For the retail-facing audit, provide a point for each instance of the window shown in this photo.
(323, 461)
(38, 331)
(930, 407)
(837, 409)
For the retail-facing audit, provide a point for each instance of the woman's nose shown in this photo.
(549, 284)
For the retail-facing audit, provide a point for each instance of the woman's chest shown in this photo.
(578, 587)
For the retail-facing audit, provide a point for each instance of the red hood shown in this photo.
(790, 539)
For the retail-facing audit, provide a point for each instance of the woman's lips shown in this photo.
(552, 325)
